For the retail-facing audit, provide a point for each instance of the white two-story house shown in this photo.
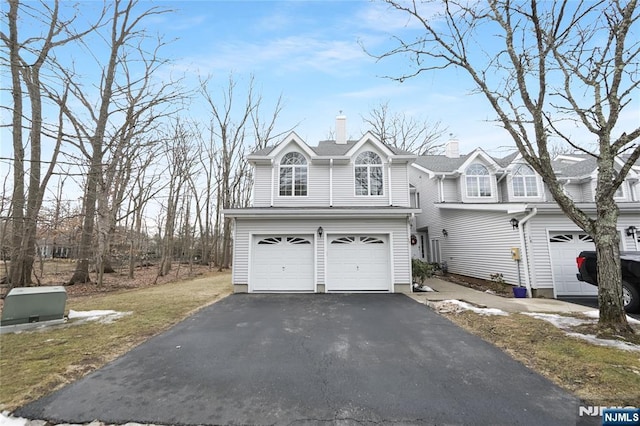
(328, 218)
(483, 215)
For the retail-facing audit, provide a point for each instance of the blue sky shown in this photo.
(311, 53)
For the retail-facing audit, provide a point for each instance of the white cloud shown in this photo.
(285, 54)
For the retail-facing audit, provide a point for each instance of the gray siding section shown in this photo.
(397, 228)
(574, 191)
(452, 191)
(318, 189)
(589, 191)
(400, 184)
(479, 244)
(262, 186)
(428, 190)
(344, 189)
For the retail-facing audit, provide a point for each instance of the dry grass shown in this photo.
(33, 364)
(599, 375)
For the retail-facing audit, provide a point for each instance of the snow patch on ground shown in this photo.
(452, 305)
(104, 317)
(565, 324)
(7, 420)
(596, 314)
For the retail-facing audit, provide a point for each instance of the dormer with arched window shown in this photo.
(293, 175)
(478, 181)
(524, 182)
(369, 179)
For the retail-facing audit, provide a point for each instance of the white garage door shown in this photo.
(565, 247)
(282, 263)
(358, 263)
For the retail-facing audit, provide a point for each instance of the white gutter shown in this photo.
(390, 192)
(523, 249)
(273, 171)
(441, 188)
(331, 182)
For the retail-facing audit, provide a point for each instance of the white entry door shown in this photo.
(283, 263)
(564, 248)
(358, 263)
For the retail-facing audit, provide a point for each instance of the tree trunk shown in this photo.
(19, 273)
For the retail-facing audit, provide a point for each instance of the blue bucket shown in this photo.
(520, 292)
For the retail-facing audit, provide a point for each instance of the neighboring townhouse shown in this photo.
(327, 218)
(483, 215)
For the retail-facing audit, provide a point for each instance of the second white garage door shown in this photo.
(358, 263)
(282, 263)
(564, 248)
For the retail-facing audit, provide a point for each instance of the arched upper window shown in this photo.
(524, 182)
(368, 174)
(293, 174)
(478, 181)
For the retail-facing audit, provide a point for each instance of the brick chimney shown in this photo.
(341, 129)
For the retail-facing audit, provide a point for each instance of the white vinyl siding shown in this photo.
(262, 185)
(574, 191)
(428, 190)
(399, 184)
(588, 192)
(451, 191)
(317, 189)
(478, 244)
(395, 228)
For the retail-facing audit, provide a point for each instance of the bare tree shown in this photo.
(405, 132)
(232, 130)
(26, 60)
(122, 98)
(180, 163)
(556, 61)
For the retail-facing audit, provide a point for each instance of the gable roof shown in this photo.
(574, 165)
(440, 163)
(328, 148)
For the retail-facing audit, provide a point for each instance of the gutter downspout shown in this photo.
(441, 189)
(390, 186)
(523, 249)
(273, 172)
(331, 182)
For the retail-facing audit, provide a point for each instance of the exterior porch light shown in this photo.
(445, 233)
(631, 231)
(514, 223)
(320, 231)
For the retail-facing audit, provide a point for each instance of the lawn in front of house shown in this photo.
(32, 364)
(599, 375)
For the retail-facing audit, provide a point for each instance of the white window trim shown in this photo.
(381, 166)
(293, 177)
(477, 183)
(523, 177)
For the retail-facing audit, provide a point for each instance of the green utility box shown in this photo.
(25, 305)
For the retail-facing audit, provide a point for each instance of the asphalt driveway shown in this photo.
(313, 358)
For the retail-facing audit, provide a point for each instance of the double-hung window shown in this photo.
(525, 182)
(293, 175)
(368, 174)
(478, 181)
